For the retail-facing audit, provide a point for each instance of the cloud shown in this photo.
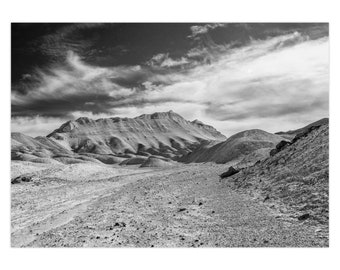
(67, 38)
(35, 125)
(197, 30)
(43, 125)
(163, 60)
(26, 76)
(62, 89)
(285, 78)
(172, 63)
(277, 83)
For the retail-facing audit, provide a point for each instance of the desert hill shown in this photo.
(281, 201)
(157, 162)
(37, 149)
(145, 140)
(48, 150)
(292, 133)
(293, 180)
(246, 147)
(165, 134)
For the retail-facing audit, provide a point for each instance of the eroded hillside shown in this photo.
(245, 147)
(165, 134)
(293, 180)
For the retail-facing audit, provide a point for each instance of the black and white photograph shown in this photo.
(169, 135)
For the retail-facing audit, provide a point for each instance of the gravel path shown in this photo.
(178, 207)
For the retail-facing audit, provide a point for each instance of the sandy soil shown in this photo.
(182, 206)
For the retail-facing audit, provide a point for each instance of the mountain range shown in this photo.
(157, 139)
(166, 134)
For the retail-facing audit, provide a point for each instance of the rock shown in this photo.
(231, 171)
(304, 217)
(281, 161)
(273, 152)
(181, 209)
(200, 204)
(281, 145)
(266, 198)
(21, 178)
(26, 179)
(120, 224)
(305, 133)
(16, 180)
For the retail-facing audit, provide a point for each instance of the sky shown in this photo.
(233, 76)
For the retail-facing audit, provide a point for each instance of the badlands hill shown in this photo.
(292, 133)
(39, 149)
(123, 141)
(245, 147)
(293, 180)
(131, 141)
(165, 134)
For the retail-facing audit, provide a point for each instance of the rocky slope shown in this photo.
(245, 147)
(292, 133)
(293, 180)
(39, 149)
(165, 134)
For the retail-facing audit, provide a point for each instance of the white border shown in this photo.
(168, 11)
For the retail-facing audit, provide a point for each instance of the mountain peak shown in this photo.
(161, 115)
(161, 133)
(84, 120)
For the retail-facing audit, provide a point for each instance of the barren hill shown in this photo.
(24, 147)
(166, 134)
(293, 180)
(292, 133)
(246, 147)
(281, 201)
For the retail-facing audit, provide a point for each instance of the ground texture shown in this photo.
(181, 206)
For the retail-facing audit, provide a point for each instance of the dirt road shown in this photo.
(185, 206)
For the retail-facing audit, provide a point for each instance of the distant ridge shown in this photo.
(246, 146)
(162, 133)
(291, 133)
(147, 139)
